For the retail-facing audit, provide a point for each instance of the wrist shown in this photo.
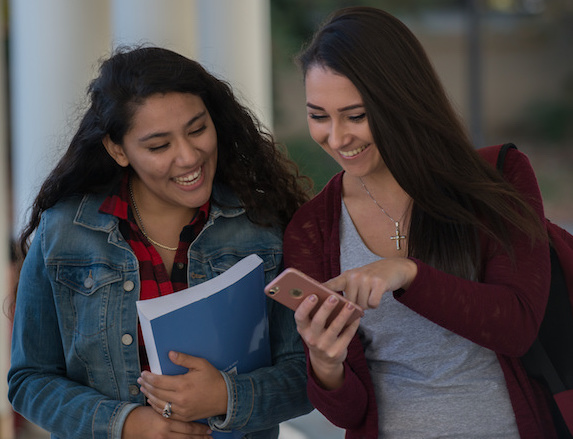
(411, 271)
(329, 376)
(223, 420)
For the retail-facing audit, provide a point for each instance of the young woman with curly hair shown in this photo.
(167, 182)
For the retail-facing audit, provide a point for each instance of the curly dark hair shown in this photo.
(258, 170)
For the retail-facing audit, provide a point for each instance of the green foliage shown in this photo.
(312, 160)
(551, 119)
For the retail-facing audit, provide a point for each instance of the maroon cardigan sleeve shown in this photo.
(503, 312)
(311, 244)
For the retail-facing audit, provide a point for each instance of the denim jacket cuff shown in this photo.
(112, 419)
(221, 423)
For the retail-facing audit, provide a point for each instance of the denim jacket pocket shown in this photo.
(86, 289)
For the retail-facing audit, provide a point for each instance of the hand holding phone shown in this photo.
(292, 286)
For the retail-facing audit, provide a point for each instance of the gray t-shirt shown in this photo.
(429, 382)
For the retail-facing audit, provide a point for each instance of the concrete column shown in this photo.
(235, 44)
(170, 24)
(55, 46)
(230, 38)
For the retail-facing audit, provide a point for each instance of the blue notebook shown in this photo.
(223, 320)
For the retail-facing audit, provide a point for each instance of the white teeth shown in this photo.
(189, 179)
(353, 152)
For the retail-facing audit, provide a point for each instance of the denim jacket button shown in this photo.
(89, 282)
(126, 339)
(133, 390)
(128, 285)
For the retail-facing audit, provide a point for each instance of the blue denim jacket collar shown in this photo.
(225, 204)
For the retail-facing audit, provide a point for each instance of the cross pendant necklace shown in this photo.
(397, 235)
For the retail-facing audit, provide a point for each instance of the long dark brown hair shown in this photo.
(421, 139)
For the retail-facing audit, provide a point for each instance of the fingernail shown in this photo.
(333, 299)
(312, 298)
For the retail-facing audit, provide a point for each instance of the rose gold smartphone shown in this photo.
(292, 286)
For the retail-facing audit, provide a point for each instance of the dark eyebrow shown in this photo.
(161, 134)
(340, 110)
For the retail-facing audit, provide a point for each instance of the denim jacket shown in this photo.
(75, 358)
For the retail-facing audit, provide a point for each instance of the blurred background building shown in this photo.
(506, 64)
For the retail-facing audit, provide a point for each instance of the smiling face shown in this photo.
(172, 148)
(337, 122)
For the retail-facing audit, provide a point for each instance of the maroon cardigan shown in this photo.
(502, 313)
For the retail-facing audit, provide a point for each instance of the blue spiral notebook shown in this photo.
(223, 320)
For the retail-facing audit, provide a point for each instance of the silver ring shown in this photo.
(167, 410)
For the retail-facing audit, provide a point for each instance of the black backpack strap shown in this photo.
(550, 356)
(547, 352)
(538, 365)
(501, 155)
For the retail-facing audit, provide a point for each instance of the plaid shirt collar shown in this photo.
(117, 204)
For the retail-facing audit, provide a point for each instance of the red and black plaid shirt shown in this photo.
(155, 281)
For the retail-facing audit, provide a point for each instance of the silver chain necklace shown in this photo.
(397, 235)
(171, 249)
